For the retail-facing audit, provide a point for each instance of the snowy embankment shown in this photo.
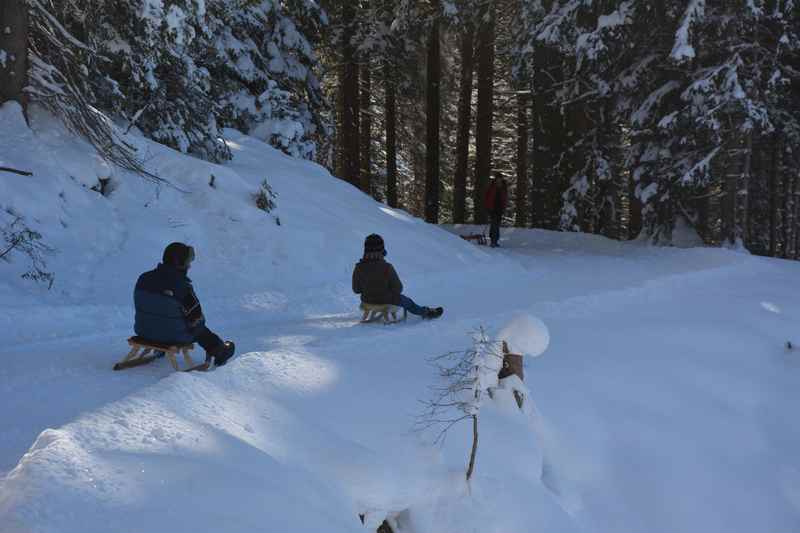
(664, 403)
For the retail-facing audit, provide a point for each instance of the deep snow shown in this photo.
(664, 403)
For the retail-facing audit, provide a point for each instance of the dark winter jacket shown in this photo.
(496, 198)
(167, 309)
(377, 282)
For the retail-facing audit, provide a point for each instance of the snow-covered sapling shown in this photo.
(465, 377)
(265, 197)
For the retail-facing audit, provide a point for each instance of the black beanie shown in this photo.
(374, 244)
(178, 255)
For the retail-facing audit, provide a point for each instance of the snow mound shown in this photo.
(526, 335)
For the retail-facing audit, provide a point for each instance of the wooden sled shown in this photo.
(477, 238)
(144, 351)
(387, 313)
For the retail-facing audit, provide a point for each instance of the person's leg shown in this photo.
(425, 312)
(214, 346)
(207, 339)
(409, 305)
(494, 228)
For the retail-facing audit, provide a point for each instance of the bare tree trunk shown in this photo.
(743, 193)
(474, 451)
(483, 131)
(463, 127)
(635, 212)
(773, 203)
(522, 160)
(391, 133)
(349, 88)
(14, 46)
(433, 112)
(339, 167)
(730, 184)
(366, 128)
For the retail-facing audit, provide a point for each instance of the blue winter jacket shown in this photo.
(167, 309)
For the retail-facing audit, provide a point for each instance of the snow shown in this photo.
(664, 400)
(682, 48)
(526, 335)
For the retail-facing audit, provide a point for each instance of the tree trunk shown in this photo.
(433, 111)
(773, 201)
(483, 130)
(743, 192)
(14, 47)
(365, 144)
(634, 211)
(339, 167)
(474, 451)
(522, 160)
(549, 137)
(391, 133)
(463, 127)
(349, 88)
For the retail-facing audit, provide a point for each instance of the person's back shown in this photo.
(158, 297)
(167, 309)
(377, 282)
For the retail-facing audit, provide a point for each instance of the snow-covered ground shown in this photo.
(664, 403)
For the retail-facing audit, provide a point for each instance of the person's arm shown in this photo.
(395, 284)
(191, 307)
(356, 281)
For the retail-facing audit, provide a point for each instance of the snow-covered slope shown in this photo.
(246, 261)
(664, 403)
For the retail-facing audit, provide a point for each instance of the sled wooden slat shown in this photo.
(141, 350)
(386, 313)
(477, 238)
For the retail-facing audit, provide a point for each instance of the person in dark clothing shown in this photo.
(378, 283)
(495, 201)
(167, 309)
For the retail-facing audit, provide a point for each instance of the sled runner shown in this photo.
(386, 313)
(477, 238)
(144, 352)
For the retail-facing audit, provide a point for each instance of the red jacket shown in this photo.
(496, 197)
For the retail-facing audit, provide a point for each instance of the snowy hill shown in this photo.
(664, 403)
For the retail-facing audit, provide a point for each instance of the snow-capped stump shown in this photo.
(526, 335)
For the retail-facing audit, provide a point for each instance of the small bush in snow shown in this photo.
(265, 197)
(464, 378)
(17, 237)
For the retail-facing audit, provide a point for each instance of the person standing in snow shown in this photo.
(167, 309)
(378, 283)
(495, 202)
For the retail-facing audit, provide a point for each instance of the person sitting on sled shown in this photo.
(378, 284)
(167, 309)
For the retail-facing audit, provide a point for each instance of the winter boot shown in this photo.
(432, 312)
(222, 353)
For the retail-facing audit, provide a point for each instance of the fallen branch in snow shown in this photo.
(15, 171)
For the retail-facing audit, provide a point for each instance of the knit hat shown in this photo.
(178, 255)
(374, 244)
